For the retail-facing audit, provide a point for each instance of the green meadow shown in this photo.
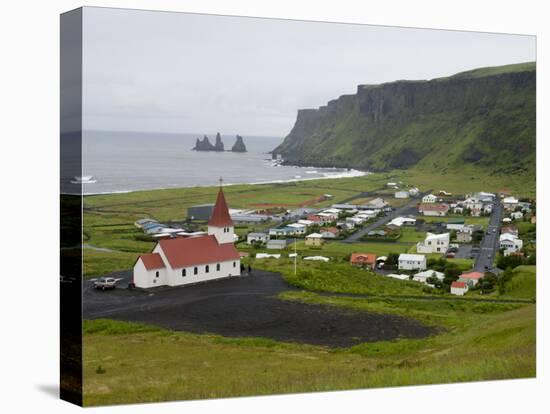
(128, 363)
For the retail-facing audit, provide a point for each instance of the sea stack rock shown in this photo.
(218, 146)
(239, 145)
(203, 145)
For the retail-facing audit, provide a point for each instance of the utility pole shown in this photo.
(295, 256)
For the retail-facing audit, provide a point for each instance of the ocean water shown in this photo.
(127, 161)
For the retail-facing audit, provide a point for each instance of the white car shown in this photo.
(104, 283)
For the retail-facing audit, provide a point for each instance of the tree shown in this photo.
(488, 282)
(452, 273)
(511, 261)
(532, 259)
(504, 279)
(477, 236)
(392, 260)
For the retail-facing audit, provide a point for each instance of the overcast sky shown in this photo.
(175, 72)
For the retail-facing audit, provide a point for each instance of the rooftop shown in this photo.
(152, 261)
(189, 251)
(220, 215)
(407, 256)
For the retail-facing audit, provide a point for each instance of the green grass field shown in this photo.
(128, 363)
(523, 284)
(338, 277)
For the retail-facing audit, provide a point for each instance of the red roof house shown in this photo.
(471, 276)
(459, 288)
(363, 259)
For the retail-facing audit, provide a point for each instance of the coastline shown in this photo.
(352, 173)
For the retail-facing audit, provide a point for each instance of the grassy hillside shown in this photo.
(128, 363)
(481, 120)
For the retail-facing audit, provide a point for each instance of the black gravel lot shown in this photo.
(246, 307)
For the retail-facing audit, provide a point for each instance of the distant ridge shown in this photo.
(483, 118)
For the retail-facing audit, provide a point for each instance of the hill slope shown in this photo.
(483, 118)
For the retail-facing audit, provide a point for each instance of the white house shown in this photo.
(276, 244)
(516, 215)
(426, 274)
(376, 203)
(458, 210)
(185, 260)
(413, 192)
(357, 221)
(459, 288)
(430, 198)
(487, 208)
(510, 243)
(411, 262)
(327, 216)
(368, 214)
(433, 209)
(455, 224)
(257, 237)
(434, 243)
(298, 228)
(473, 203)
(402, 221)
(510, 203)
(402, 194)
(333, 210)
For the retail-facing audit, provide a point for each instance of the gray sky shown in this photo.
(175, 72)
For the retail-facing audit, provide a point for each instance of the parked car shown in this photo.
(450, 255)
(104, 283)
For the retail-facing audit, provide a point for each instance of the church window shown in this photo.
(207, 269)
(195, 270)
(218, 267)
(183, 272)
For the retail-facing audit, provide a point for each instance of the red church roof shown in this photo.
(185, 252)
(220, 215)
(152, 261)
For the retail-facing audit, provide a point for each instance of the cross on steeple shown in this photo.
(221, 182)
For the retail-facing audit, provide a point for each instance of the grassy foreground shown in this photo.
(125, 363)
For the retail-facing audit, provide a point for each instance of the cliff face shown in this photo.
(484, 117)
(239, 145)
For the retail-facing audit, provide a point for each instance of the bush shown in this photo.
(512, 261)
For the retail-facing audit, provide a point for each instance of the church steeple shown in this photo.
(220, 223)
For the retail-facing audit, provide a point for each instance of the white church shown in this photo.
(182, 261)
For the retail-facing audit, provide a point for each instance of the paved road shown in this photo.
(409, 208)
(246, 306)
(489, 244)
